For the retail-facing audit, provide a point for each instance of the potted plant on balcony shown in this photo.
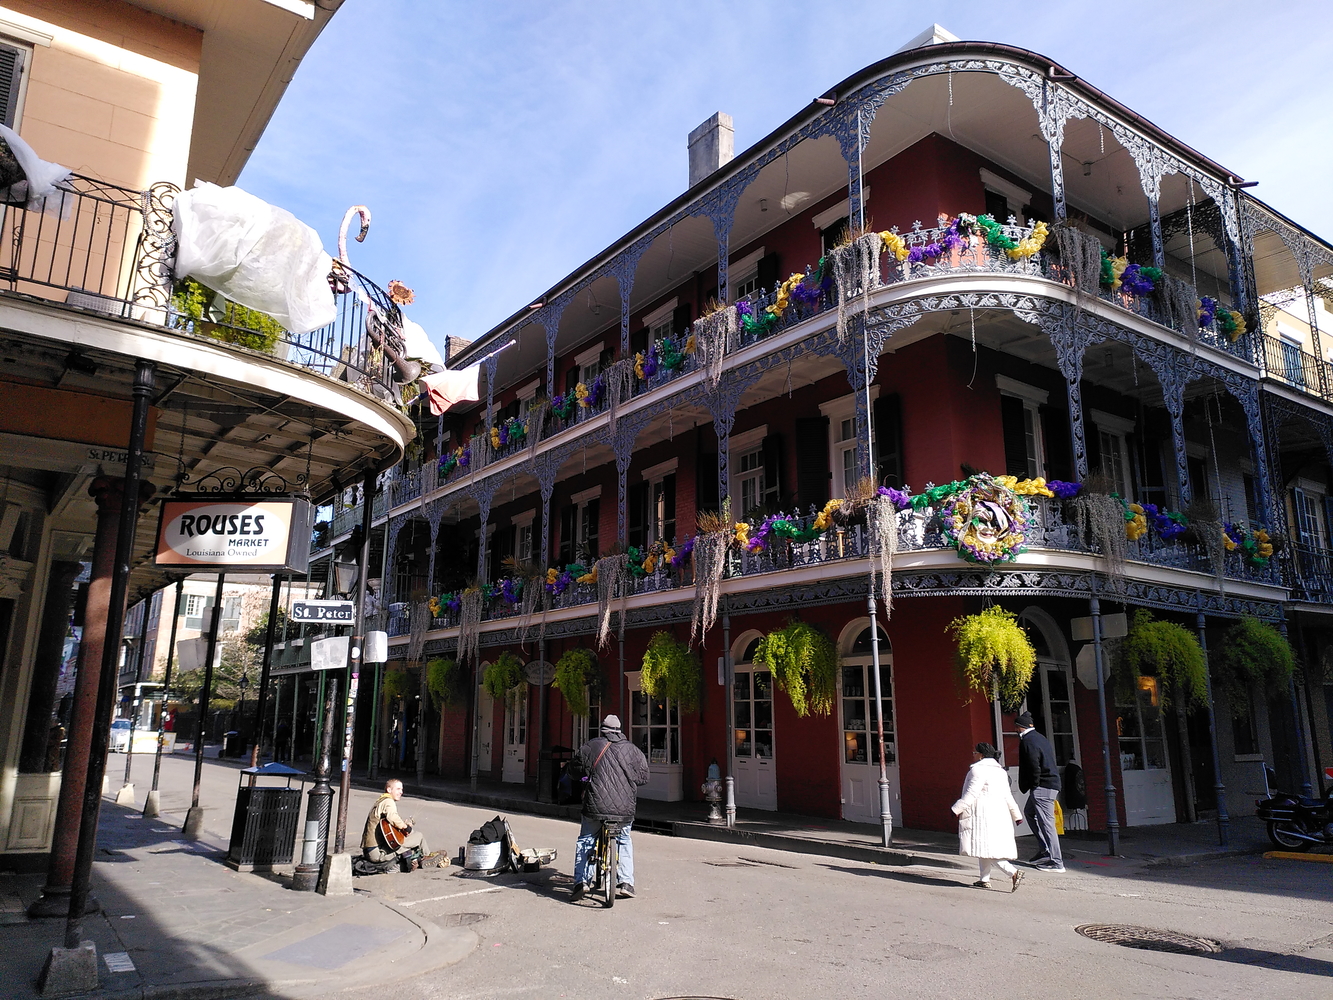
(576, 671)
(672, 670)
(804, 663)
(1252, 652)
(995, 655)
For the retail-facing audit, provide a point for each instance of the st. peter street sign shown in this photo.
(337, 612)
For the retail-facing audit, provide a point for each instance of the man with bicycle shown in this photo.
(612, 768)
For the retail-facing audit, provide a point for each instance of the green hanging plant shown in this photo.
(229, 322)
(502, 676)
(395, 683)
(804, 663)
(1252, 652)
(995, 655)
(1164, 650)
(672, 670)
(446, 683)
(575, 672)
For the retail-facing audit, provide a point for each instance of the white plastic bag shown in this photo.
(42, 175)
(254, 253)
(417, 345)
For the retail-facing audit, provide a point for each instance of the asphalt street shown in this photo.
(714, 921)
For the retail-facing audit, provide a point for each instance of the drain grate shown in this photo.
(1149, 939)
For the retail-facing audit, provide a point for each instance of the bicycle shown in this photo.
(607, 851)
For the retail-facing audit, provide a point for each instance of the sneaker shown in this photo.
(1050, 866)
(1018, 877)
(624, 890)
(981, 884)
(578, 892)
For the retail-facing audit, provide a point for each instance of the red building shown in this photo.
(1193, 376)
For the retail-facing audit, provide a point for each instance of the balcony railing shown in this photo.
(1311, 571)
(1297, 367)
(1049, 529)
(109, 249)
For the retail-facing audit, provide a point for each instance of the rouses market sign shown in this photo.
(236, 534)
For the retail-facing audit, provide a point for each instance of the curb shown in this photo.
(1293, 856)
(1181, 860)
(803, 845)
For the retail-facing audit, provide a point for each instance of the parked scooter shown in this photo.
(1297, 822)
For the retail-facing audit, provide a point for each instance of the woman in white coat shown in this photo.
(987, 815)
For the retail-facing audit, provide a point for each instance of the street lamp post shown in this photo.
(151, 806)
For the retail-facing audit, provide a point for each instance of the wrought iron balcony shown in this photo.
(1311, 572)
(1298, 368)
(1050, 529)
(108, 250)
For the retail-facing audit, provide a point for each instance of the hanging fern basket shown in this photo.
(1252, 652)
(395, 683)
(995, 655)
(1166, 651)
(445, 681)
(804, 663)
(672, 670)
(503, 676)
(576, 671)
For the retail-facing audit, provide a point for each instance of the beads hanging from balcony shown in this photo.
(714, 338)
(710, 561)
(612, 576)
(855, 270)
(1082, 255)
(469, 625)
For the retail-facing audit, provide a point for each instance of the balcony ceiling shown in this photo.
(252, 49)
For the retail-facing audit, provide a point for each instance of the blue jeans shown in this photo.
(587, 842)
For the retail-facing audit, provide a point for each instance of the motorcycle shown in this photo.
(1297, 822)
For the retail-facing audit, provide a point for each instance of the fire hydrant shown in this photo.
(712, 793)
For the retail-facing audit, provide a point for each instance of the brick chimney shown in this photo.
(711, 145)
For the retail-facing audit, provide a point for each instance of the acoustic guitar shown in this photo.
(392, 836)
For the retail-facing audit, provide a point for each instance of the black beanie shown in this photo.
(1024, 721)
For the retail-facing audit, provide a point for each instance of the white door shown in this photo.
(752, 761)
(1144, 764)
(516, 735)
(859, 748)
(485, 730)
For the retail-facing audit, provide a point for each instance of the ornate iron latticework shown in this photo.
(157, 250)
(228, 479)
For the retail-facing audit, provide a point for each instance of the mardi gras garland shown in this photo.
(1228, 322)
(459, 458)
(511, 431)
(666, 354)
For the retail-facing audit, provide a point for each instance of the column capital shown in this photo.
(109, 492)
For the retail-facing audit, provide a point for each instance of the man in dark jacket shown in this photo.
(614, 768)
(1039, 776)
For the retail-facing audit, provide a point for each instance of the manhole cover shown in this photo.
(461, 919)
(1149, 939)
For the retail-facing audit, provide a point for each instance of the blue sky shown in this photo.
(501, 144)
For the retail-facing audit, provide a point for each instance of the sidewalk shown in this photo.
(1171, 844)
(182, 924)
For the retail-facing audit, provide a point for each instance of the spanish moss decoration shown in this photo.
(576, 672)
(882, 516)
(503, 676)
(672, 670)
(855, 269)
(1169, 652)
(613, 582)
(995, 655)
(715, 335)
(419, 623)
(710, 563)
(618, 380)
(804, 663)
(469, 626)
(1252, 652)
(1101, 519)
(1207, 531)
(481, 451)
(1181, 303)
(1081, 255)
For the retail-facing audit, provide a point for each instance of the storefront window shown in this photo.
(655, 728)
(1139, 727)
(860, 734)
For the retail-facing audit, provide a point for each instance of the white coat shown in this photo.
(987, 813)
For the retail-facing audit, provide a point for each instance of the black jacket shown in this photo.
(1036, 763)
(611, 792)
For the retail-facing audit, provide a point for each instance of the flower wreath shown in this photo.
(985, 520)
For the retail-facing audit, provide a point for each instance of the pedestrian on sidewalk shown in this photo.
(987, 815)
(1039, 776)
(614, 768)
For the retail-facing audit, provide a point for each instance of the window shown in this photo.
(589, 727)
(756, 472)
(1003, 197)
(1201, 482)
(1306, 505)
(750, 479)
(652, 506)
(15, 61)
(194, 605)
(1244, 733)
(590, 364)
(845, 433)
(579, 528)
(1024, 450)
(1139, 728)
(1293, 364)
(834, 220)
(1112, 436)
(745, 276)
(655, 728)
(523, 543)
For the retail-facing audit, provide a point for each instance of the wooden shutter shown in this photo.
(1015, 437)
(1328, 523)
(637, 501)
(773, 468)
(11, 71)
(638, 341)
(1055, 435)
(592, 517)
(607, 358)
(1298, 509)
(669, 508)
(812, 468)
(769, 272)
(571, 378)
(681, 317)
(705, 481)
(888, 417)
(565, 552)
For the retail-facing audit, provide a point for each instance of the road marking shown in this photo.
(436, 899)
(1293, 856)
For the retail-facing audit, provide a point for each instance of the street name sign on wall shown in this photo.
(247, 534)
(340, 612)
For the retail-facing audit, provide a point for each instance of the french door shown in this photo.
(752, 753)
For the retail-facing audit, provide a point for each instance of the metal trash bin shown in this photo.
(231, 744)
(550, 766)
(263, 828)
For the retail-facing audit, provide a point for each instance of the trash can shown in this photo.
(263, 829)
(550, 765)
(231, 744)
